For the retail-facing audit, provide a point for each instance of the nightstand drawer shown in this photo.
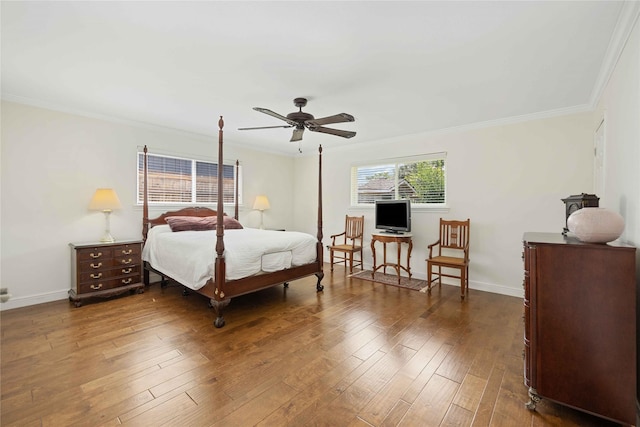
(95, 254)
(127, 260)
(106, 264)
(103, 285)
(96, 265)
(103, 274)
(127, 251)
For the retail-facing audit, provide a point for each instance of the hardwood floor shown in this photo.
(357, 354)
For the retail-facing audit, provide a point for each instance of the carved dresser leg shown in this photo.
(534, 399)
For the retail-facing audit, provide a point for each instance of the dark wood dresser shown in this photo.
(105, 269)
(580, 325)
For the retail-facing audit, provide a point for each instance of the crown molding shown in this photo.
(137, 124)
(113, 119)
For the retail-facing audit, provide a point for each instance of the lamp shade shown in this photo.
(104, 199)
(261, 203)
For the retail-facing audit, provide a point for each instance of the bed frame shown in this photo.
(217, 289)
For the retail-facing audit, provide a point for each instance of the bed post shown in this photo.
(218, 302)
(145, 214)
(319, 250)
(237, 190)
(145, 203)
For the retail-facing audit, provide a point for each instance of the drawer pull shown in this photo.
(96, 287)
(127, 270)
(127, 261)
(126, 281)
(94, 256)
(96, 276)
(129, 252)
(98, 265)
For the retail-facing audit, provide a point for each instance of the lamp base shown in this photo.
(107, 238)
(261, 219)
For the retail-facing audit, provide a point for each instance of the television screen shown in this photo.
(393, 216)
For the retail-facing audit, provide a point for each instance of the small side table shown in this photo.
(104, 269)
(398, 239)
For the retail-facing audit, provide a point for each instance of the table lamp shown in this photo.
(261, 203)
(105, 200)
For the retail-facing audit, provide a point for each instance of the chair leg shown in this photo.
(463, 282)
(350, 262)
(467, 278)
(428, 277)
(331, 258)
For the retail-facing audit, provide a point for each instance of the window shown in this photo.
(180, 180)
(422, 179)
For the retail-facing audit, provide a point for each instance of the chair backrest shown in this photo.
(454, 234)
(354, 227)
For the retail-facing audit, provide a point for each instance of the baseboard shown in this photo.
(479, 286)
(497, 289)
(17, 302)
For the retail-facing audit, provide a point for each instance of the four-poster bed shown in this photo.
(219, 288)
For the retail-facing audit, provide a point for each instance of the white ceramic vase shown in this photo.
(596, 225)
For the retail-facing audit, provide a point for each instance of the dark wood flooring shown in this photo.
(357, 354)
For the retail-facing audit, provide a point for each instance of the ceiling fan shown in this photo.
(300, 120)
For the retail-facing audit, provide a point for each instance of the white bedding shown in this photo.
(189, 256)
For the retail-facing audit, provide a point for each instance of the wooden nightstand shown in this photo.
(104, 269)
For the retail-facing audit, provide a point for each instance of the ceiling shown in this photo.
(399, 68)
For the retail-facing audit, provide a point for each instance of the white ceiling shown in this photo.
(399, 67)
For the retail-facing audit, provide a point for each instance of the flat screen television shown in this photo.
(393, 216)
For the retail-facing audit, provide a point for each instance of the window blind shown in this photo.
(421, 179)
(181, 180)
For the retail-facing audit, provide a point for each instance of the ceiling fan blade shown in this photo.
(338, 118)
(267, 127)
(276, 115)
(337, 132)
(297, 134)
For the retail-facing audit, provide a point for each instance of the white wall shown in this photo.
(52, 162)
(620, 109)
(507, 179)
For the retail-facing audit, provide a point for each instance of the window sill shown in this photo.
(414, 208)
(176, 206)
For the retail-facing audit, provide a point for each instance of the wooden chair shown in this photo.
(348, 242)
(452, 253)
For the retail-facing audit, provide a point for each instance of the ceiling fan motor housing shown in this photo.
(299, 116)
